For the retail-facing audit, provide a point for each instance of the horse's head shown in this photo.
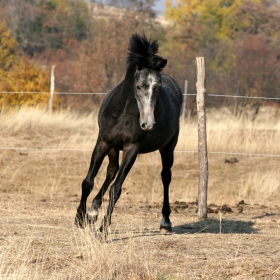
(147, 83)
(147, 65)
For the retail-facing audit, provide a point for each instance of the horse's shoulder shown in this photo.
(170, 85)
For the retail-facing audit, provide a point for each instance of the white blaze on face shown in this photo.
(146, 103)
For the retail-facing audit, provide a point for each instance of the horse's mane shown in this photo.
(142, 53)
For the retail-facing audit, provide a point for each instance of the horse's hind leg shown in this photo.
(112, 170)
(98, 155)
(167, 158)
(129, 157)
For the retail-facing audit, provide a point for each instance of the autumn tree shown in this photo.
(24, 77)
(239, 40)
(256, 48)
(7, 48)
(38, 25)
(17, 74)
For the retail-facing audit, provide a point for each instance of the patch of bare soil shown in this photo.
(39, 241)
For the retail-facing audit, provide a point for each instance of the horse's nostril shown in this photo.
(143, 125)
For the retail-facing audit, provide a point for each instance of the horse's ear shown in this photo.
(161, 63)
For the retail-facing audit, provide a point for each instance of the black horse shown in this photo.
(140, 115)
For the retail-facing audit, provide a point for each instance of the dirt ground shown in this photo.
(39, 241)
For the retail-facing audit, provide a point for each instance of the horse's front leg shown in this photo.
(129, 157)
(167, 158)
(98, 155)
(112, 170)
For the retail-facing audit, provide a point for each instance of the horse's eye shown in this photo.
(138, 87)
(157, 87)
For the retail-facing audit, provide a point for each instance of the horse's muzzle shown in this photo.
(147, 127)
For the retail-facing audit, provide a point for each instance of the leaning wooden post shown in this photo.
(202, 139)
(51, 90)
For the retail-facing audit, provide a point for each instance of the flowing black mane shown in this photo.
(142, 53)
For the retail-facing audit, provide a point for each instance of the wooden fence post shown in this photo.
(202, 139)
(184, 103)
(51, 90)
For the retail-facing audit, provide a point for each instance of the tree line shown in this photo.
(239, 40)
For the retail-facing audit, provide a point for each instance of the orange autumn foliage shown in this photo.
(17, 74)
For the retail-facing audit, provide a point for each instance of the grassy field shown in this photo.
(40, 190)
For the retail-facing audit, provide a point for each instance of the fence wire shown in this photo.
(104, 93)
(242, 96)
(47, 92)
(90, 150)
(236, 96)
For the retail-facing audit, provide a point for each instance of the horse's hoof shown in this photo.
(80, 223)
(98, 235)
(165, 226)
(166, 230)
(91, 219)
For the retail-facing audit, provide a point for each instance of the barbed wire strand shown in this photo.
(104, 93)
(237, 96)
(47, 92)
(242, 96)
(176, 151)
(235, 154)
(42, 149)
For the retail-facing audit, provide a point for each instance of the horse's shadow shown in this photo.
(216, 226)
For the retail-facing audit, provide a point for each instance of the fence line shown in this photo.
(103, 93)
(90, 150)
(47, 92)
(238, 96)
(231, 153)
(242, 96)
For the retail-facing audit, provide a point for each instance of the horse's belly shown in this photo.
(151, 144)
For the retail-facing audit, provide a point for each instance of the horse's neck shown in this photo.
(128, 87)
(128, 82)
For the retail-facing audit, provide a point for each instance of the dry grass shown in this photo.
(229, 133)
(39, 241)
(39, 192)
